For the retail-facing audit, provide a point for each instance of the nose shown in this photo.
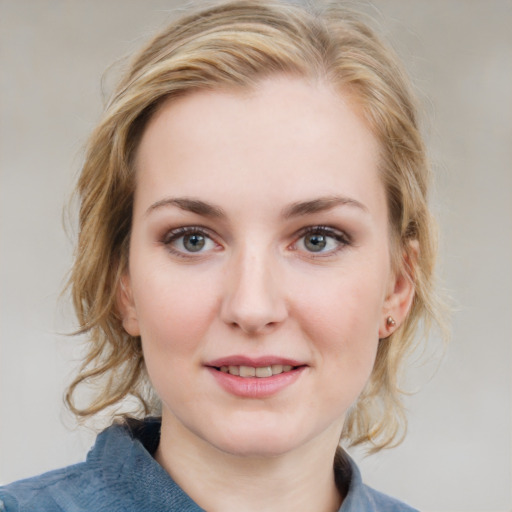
(254, 299)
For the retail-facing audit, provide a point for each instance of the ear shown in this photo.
(126, 306)
(401, 293)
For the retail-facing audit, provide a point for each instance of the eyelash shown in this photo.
(175, 234)
(342, 239)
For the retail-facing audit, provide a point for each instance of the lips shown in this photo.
(255, 377)
(256, 371)
(259, 367)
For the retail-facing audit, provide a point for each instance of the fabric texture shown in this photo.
(121, 475)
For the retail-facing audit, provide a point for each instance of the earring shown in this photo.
(390, 321)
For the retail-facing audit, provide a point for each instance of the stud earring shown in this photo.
(390, 321)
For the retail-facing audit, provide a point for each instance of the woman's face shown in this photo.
(259, 276)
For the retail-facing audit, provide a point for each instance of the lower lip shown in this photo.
(256, 387)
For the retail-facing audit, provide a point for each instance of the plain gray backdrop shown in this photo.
(53, 53)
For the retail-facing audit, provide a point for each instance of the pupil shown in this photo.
(315, 243)
(194, 243)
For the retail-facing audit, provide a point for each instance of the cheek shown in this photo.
(341, 316)
(174, 310)
(343, 305)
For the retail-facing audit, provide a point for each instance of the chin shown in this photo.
(258, 441)
(264, 448)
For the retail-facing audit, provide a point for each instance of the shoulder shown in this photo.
(359, 497)
(119, 475)
(54, 491)
(90, 485)
(384, 503)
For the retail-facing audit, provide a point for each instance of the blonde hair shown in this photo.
(230, 45)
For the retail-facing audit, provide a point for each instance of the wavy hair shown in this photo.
(236, 45)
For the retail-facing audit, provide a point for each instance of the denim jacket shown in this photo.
(121, 475)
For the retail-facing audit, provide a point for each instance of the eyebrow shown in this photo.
(296, 209)
(189, 205)
(320, 204)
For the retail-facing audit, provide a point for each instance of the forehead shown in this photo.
(285, 137)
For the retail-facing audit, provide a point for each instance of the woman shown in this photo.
(254, 258)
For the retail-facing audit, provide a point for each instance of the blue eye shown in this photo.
(194, 242)
(315, 242)
(321, 239)
(183, 241)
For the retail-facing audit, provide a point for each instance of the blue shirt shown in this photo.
(121, 475)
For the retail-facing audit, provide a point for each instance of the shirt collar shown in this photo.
(125, 453)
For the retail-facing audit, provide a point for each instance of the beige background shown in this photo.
(458, 455)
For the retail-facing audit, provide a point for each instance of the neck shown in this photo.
(301, 480)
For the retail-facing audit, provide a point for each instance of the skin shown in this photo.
(256, 288)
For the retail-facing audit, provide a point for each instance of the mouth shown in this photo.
(260, 372)
(255, 378)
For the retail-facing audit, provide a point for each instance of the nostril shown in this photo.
(252, 300)
(253, 327)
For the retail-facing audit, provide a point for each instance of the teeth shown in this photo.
(247, 371)
(264, 371)
(261, 371)
(234, 370)
(277, 369)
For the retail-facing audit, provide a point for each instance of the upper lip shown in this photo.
(256, 362)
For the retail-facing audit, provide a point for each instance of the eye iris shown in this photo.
(194, 242)
(315, 243)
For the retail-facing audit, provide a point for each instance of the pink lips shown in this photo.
(239, 360)
(254, 387)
